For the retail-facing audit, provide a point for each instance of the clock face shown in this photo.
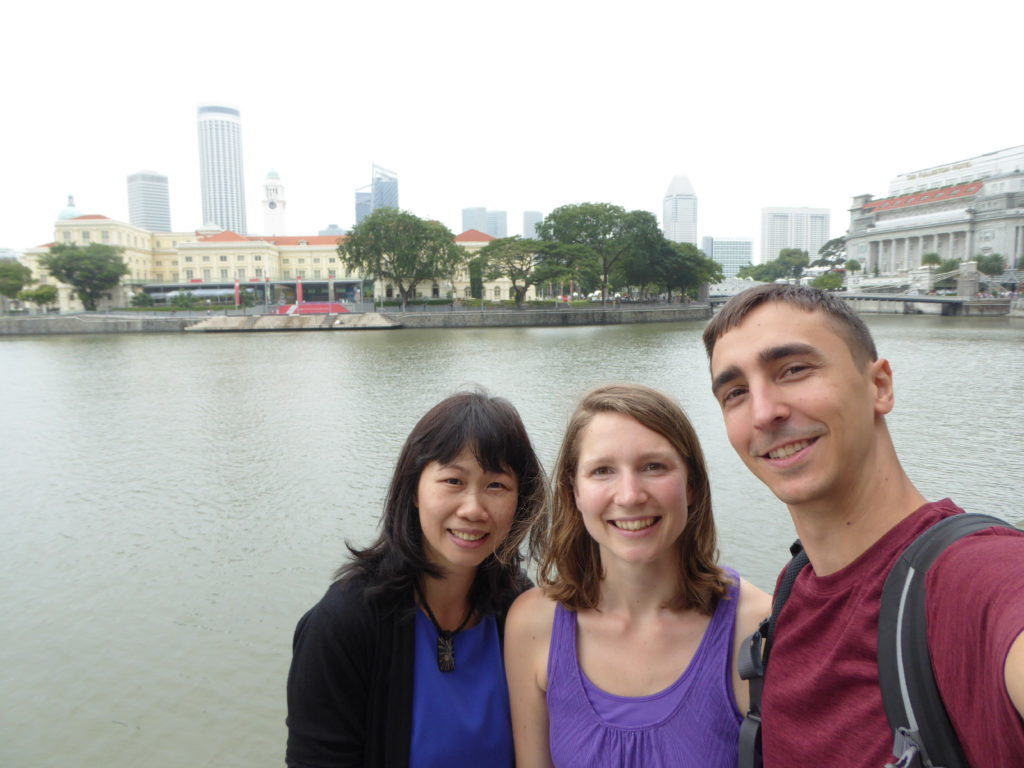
(272, 205)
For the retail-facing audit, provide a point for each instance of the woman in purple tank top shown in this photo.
(625, 654)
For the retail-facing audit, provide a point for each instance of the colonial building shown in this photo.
(958, 210)
(207, 262)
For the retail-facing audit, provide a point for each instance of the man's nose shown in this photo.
(768, 407)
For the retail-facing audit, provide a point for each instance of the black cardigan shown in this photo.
(350, 683)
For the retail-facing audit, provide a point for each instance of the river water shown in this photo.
(171, 504)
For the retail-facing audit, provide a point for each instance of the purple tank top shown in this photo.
(692, 723)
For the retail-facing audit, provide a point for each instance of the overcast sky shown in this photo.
(513, 106)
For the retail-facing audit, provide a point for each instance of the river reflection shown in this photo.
(173, 503)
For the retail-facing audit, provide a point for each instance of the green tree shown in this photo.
(515, 259)
(931, 259)
(595, 226)
(852, 265)
(91, 271)
(832, 253)
(992, 265)
(949, 265)
(143, 299)
(401, 248)
(247, 298)
(13, 277)
(642, 250)
(476, 277)
(43, 296)
(184, 300)
(829, 281)
(685, 268)
(793, 261)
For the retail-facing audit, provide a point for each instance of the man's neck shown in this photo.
(837, 532)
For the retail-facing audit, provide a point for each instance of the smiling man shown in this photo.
(804, 397)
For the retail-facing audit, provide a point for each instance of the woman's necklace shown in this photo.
(445, 639)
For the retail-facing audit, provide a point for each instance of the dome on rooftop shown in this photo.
(70, 212)
(680, 186)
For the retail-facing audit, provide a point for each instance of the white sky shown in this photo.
(526, 105)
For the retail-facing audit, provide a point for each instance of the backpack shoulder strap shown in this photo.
(754, 658)
(923, 734)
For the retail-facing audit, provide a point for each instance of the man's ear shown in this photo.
(881, 379)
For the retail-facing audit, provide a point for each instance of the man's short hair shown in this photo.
(845, 320)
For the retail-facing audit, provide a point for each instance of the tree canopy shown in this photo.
(992, 264)
(515, 259)
(831, 254)
(789, 264)
(43, 296)
(930, 259)
(91, 271)
(852, 265)
(13, 277)
(401, 248)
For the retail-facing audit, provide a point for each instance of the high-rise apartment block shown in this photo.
(497, 224)
(149, 205)
(273, 205)
(220, 167)
(364, 203)
(474, 218)
(803, 228)
(730, 252)
(531, 220)
(679, 212)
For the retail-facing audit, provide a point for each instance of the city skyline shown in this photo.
(221, 175)
(823, 155)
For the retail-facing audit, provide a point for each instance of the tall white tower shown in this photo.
(273, 205)
(220, 167)
(679, 212)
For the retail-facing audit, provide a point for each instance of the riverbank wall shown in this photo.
(550, 317)
(966, 308)
(51, 325)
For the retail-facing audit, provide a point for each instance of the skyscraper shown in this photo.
(530, 221)
(220, 167)
(730, 252)
(679, 212)
(497, 224)
(364, 202)
(474, 218)
(273, 205)
(149, 206)
(803, 228)
(385, 188)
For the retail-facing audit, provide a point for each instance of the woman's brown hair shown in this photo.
(570, 570)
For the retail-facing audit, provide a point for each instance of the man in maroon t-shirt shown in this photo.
(804, 398)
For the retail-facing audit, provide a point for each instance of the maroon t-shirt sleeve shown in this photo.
(975, 611)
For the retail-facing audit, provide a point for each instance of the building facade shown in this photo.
(531, 220)
(959, 210)
(679, 212)
(220, 167)
(149, 204)
(804, 228)
(497, 224)
(731, 253)
(364, 203)
(385, 188)
(273, 205)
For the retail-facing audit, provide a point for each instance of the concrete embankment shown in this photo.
(550, 317)
(1017, 308)
(960, 307)
(346, 322)
(46, 325)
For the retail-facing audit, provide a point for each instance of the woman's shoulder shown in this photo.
(532, 614)
(348, 607)
(753, 606)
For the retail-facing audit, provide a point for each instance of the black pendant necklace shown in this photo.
(445, 639)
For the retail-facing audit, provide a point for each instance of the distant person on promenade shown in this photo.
(625, 656)
(804, 396)
(400, 664)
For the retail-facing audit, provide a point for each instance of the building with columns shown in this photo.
(958, 210)
(208, 261)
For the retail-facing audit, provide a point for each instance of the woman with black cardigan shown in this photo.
(400, 663)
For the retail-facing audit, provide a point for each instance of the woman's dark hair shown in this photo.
(490, 427)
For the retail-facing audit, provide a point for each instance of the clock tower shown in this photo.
(273, 205)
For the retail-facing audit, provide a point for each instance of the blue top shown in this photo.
(694, 723)
(460, 717)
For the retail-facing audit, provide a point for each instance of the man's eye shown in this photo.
(733, 393)
(795, 369)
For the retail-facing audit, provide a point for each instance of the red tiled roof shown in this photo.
(90, 216)
(474, 236)
(307, 239)
(46, 245)
(922, 198)
(227, 236)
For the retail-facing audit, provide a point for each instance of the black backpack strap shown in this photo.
(923, 734)
(754, 658)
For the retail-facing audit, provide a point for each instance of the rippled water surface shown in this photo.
(171, 504)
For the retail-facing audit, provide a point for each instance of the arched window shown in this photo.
(497, 291)
(389, 291)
